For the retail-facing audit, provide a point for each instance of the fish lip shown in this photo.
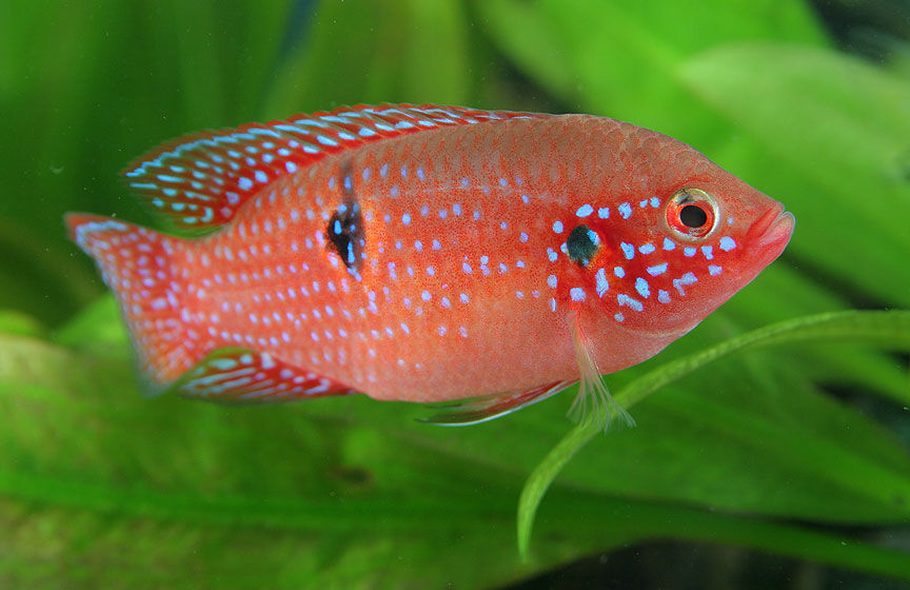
(774, 229)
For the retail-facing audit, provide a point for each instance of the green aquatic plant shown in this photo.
(882, 327)
(799, 449)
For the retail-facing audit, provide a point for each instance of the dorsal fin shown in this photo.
(200, 181)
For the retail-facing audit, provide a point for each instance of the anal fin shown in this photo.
(488, 407)
(249, 376)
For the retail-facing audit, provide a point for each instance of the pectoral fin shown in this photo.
(593, 398)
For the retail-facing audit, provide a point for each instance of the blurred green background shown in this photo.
(800, 454)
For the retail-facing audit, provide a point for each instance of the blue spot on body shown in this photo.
(628, 250)
(642, 287)
(601, 284)
(687, 279)
(657, 269)
(584, 211)
(633, 304)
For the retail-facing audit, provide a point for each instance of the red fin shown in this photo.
(482, 409)
(244, 375)
(201, 180)
(135, 264)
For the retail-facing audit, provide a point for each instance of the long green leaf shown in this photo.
(88, 463)
(840, 127)
(887, 327)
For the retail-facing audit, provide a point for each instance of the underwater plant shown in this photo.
(796, 445)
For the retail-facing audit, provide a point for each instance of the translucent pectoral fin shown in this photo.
(488, 407)
(241, 375)
(593, 398)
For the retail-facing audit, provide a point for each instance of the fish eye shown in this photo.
(691, 213)
(582, 244)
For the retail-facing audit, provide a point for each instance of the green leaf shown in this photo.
(114, 478)
(99, 487)
(388, 63)
(341, 491)
(841, 126)
(593, 54)
(858, 475)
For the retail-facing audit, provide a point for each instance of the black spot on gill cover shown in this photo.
(582, 244)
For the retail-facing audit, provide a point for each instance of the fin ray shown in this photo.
(242, 375)
(593, 399)
(490, 407)
(135, 264)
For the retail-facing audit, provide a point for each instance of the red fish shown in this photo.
(425, 253)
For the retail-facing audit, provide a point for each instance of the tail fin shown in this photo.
(135, 264)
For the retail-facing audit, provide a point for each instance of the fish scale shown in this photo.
(425, 253)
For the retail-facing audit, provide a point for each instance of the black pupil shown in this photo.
(580, 245)
(693, 216)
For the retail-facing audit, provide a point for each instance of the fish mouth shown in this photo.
(774, 229)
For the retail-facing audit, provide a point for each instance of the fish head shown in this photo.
(679, 241)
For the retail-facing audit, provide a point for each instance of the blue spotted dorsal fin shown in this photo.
(489, 407)
(201, 180)
(249, 376)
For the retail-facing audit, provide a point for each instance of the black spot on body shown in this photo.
(582, 244)
(345, 232)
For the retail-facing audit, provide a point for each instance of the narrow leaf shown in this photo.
(890, 328)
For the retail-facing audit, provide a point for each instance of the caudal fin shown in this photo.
(135, 264)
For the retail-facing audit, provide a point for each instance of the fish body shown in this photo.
(425, 254)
